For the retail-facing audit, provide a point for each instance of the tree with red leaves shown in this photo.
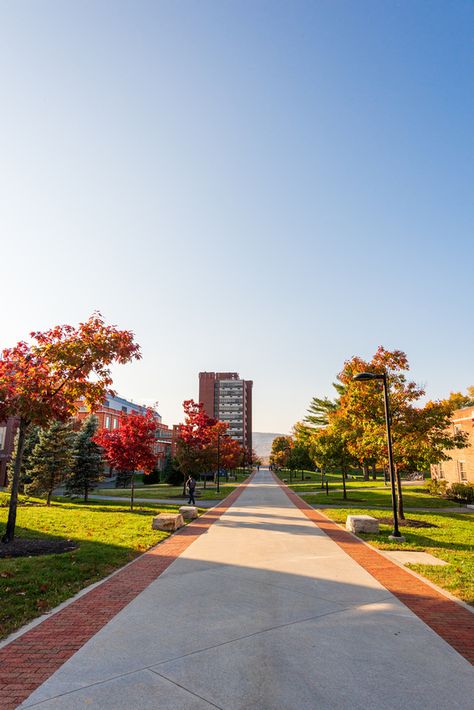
(198, 440)
(131, 447)
(194, 439)
(230, 451)
(42, 381)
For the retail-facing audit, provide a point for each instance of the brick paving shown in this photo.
(450, 620)
(29, 660)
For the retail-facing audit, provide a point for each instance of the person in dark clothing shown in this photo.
(191, 485)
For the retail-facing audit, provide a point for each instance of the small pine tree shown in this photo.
(51, 460)
(88, 468)
(31, 439)
(172, 472)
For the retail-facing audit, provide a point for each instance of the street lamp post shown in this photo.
(218, 458)
(364, 377)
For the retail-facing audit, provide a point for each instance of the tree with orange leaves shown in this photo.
(42, 381)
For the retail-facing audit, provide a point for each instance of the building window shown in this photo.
(107, 422)
(3, 434)
(440, 471)
(462, 471)
(115, 423)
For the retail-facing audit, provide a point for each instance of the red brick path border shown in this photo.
(32, 658)
(453, 622)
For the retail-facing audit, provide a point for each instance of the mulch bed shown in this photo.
(26, 548)
(408, 523)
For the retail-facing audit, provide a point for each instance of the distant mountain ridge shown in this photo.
(262, 443)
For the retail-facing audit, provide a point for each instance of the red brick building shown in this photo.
(114, 408)
(108, 414)
(460, 467)
(227, 397)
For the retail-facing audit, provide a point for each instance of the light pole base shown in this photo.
(396, 538)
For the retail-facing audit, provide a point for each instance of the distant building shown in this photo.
(460, 467)
(228, 398)
(7, 437)
(114, 408)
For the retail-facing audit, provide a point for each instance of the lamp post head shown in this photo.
(364, 376)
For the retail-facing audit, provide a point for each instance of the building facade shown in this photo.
(225, 396)
(460, 467)
(114, 408)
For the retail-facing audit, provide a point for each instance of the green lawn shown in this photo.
(334, 480)
(164, 490)
(109, 536)
(451, 539)
(413, 497)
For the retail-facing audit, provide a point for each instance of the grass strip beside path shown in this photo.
(164, 490)
(109, 536)
(451, 539)
(412, 498)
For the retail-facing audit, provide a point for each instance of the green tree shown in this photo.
(419, 433)
(172, 473)
(88, 468)
(281, 447)
(299, 458)
(319, 411)
(51, 460)
(329, 450)
(31, 439)
(458, 400)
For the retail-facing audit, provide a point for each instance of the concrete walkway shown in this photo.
(262, 612)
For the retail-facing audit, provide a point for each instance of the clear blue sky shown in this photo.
(262, 186)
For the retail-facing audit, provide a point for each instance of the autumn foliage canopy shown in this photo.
(42, 381)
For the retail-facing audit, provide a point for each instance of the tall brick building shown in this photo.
(228, 398)
(460, 467)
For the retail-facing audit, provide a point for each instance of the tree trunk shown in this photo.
(10, 529)
(401, 514)
(86, 493)
(365, 468)
(132, 496)
(374, 472)
(48, 499)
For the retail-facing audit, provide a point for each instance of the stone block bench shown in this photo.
(189, 512)
(362, 523)
(169, 522)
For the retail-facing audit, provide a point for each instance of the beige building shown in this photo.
(460, 467)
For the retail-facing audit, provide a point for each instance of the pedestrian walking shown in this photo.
(191, 486)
